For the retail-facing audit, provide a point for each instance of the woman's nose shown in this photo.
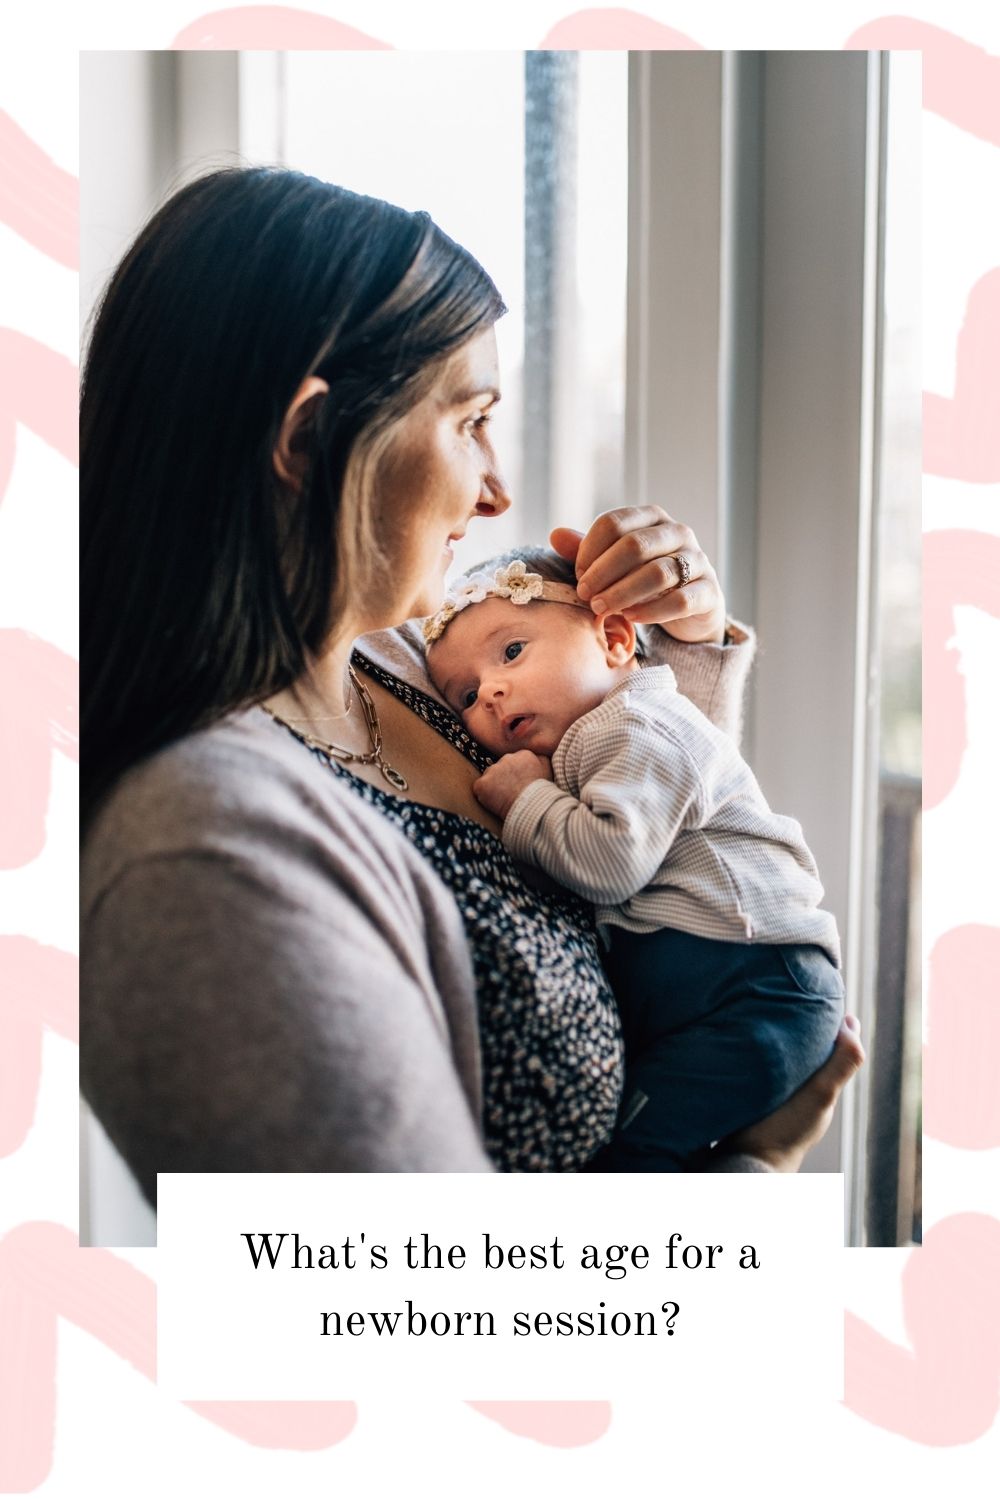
(493, 498)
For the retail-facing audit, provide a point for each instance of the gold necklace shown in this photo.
(324, 718)
(372, 757)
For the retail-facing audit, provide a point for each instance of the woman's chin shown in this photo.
(426, 603)
(431, 596)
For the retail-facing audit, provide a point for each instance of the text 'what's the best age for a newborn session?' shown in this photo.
(419, 1253)
(318, 1286)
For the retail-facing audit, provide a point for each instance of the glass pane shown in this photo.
(576, 204)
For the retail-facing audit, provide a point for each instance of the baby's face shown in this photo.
(520, 674)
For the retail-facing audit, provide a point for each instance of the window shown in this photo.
(521, 157)
(773, 401)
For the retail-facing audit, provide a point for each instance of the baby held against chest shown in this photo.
(725, 969)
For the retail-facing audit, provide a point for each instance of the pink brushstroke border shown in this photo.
(962, 82)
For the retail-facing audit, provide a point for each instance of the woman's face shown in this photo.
(439, 472)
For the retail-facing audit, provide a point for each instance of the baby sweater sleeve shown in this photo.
(604, 827)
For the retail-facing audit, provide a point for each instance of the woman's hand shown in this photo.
(632, 562)
(782, 1139)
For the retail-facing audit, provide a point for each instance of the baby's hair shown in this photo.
(552, 567)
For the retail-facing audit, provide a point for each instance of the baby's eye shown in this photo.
(513, 650)
(468, 698)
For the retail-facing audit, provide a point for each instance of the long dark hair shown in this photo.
(205, 585)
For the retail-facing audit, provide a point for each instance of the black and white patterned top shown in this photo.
(549, 1030)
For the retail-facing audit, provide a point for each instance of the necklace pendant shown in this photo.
(394, 777)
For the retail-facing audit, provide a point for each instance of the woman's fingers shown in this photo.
(621, 542)
(641, 582)
(848, 1055)
(641, 562)
(694, 601)
(826, 1086)
(566, 542)
(783, 1138)
(616, 525)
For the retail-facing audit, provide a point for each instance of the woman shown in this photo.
(285, 427)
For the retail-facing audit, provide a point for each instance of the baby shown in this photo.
(725, 970)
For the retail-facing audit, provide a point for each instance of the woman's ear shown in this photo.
(291, 450)
(618, 638)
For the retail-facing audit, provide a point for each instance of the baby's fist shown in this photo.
(502, 783)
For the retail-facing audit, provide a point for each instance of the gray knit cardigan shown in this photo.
(272, 979)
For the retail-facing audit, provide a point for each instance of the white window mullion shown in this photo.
(739, 333)
(815, 689)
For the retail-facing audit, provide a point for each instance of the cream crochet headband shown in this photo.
(513, 582)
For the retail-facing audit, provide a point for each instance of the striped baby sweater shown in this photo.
(654, 816)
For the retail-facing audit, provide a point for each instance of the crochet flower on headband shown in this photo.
(513, 582)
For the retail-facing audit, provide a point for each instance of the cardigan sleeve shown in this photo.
(245, 1033)
(273, 983)
(713, 677)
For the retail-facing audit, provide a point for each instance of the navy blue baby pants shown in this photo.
(717, 1035)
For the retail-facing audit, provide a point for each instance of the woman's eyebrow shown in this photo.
(473, 392)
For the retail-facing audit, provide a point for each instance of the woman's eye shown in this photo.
(475, 424)
(514, 649)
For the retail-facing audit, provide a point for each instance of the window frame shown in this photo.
(754, 380)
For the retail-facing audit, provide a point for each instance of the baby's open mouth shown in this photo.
(519, 723)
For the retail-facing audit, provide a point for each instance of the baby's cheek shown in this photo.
(490, 741)
(473, 722)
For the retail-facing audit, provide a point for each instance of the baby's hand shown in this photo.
(502, 783)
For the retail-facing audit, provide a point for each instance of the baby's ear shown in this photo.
(619, 639)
